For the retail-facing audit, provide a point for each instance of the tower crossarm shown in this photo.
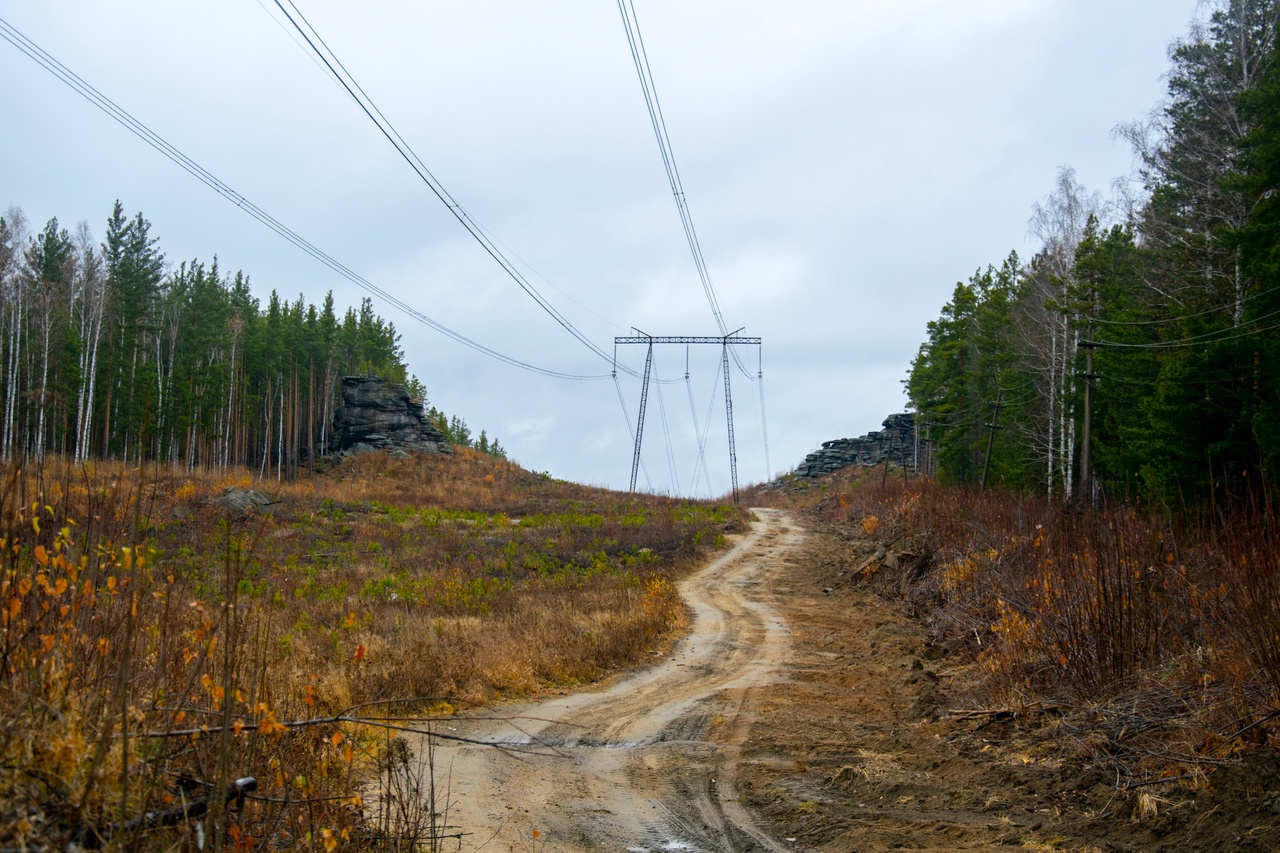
(686, 339)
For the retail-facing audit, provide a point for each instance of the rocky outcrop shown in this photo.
(376, 415)
(896, 442)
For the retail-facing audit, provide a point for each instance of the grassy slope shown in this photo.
(136, 604)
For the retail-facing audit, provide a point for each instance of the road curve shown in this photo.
(631, 767)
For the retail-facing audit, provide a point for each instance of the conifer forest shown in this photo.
(1136, 355)
(105, 351)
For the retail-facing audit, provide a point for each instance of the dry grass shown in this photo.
(155, 646)
(1153, 644)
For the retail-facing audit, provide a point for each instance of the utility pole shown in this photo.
(1086, 439)
(991, 437)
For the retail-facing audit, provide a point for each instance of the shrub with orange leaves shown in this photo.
(150, 640)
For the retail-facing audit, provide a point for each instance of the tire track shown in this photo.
(630, 767)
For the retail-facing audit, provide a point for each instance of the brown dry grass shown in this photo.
(137, 607)
(1150, 644)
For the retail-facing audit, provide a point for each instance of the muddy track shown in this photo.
(631, 766)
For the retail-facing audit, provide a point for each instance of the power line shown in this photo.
(370, 109)
(33, 51)
(666, 434)
(1216, 337)
(693, 413)
(626, 416)
(764, 423)
(1163, 321)
(640, 57)
(706, 429)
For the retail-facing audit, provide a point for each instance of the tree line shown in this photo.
(106, 351)
(1137, 354)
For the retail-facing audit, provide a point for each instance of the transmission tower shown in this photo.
(725, 341)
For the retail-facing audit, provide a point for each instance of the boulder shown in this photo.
(379, 416)
(241, 503)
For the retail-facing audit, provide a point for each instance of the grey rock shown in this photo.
(377, 415)
(896, 442)
(240, 503)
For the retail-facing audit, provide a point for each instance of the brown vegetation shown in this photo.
(157, 644)
(1150, 646)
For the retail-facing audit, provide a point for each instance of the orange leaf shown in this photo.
(238, 726)
(359, 656)
(336, 739)
(47, 641)
(42, 556)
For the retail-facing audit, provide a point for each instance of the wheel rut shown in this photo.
(632, 766)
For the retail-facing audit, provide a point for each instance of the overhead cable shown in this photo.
(1164, 321)
(706, 429)
(666, 434)
(697, 436)
(370, 109)
(764, 423)
(1215, 337)
(626, 416)
(10, 34)
(640, 57)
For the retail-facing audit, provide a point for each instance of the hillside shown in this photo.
(165, 631)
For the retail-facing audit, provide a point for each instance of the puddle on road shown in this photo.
(668, 847)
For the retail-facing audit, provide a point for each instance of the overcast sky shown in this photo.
(845, 163)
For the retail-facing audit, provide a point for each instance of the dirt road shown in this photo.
(632, 766)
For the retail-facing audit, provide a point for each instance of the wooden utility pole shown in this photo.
(991, 437)
(1085, 483)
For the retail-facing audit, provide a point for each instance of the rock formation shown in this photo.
(376, 415)
(896, 442)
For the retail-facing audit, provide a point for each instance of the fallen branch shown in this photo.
(90, 838)
(1129, 786)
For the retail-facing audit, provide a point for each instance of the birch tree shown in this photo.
(1052, 341)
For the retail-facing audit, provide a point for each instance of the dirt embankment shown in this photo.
(804, 713)
(862, 748)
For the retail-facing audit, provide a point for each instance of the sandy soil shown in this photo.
(631, 766)
(802, 712)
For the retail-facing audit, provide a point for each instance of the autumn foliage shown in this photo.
(157, 645)
(1164, 633)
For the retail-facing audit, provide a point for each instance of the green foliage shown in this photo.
(1169, 318)
(104, 354)
(968, 363)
